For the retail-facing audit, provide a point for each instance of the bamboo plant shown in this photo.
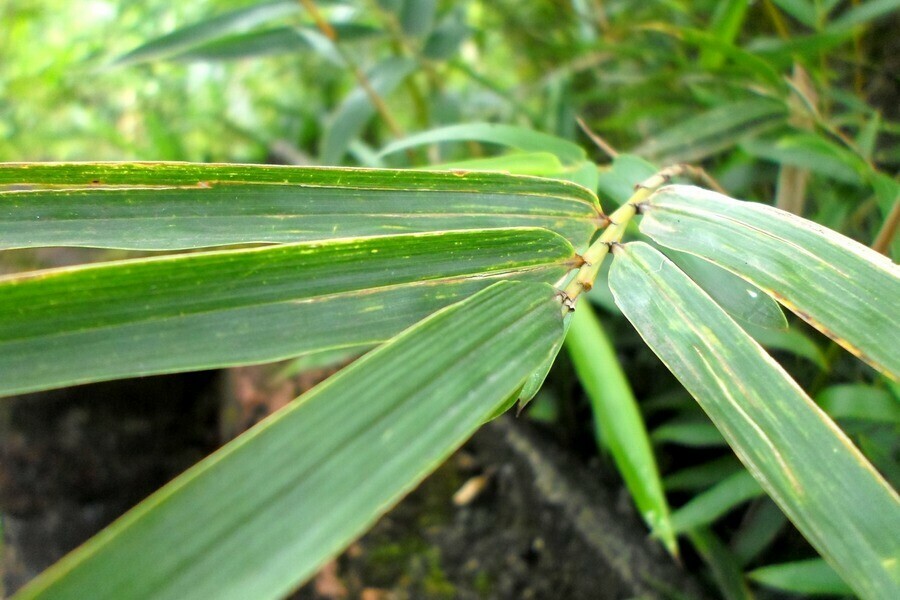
(465, 284)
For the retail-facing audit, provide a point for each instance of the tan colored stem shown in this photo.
(361, 78)
(615, 229)
(886, 234)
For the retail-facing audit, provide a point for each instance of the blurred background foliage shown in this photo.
(791, 102)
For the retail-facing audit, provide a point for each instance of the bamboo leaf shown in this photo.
(863, 13)
(718, 500)
(233, 22)
(859, 402)
(616, 182)
(166, 206)
(837, 285)
(520, 138)
(812, 152)
(214, 309)
(742, 300)
(691, 432)
(618, 421)
(802, 460)
(726, 569)
(712, 131)
(258, 517)
(813, 577)
(278, 40)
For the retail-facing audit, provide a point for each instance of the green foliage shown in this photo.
(783, 102)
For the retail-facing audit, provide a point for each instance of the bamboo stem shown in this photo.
(617, 223)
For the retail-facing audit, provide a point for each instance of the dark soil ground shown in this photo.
(511, 515)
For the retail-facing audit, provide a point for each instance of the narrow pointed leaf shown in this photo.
(259, 517)
(618, 420)
(812, 577)
(166, 206)
(710, 132)
(802, 460)
(837, 285)
(215, 309)
(212, 28)
(520, 138)
(718, 500)
(278, 40)
(726, 569)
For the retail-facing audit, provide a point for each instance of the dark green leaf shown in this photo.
(214, 309)
(813, 577)
(165, 206)
(261, 515)
(859, 402)
(717, 501)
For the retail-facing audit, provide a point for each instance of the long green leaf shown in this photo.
(210, 29)
(712, 131)
(837, 285)
(804, 462)
(520, 138)
(718, 500)
(260, 516)
(618, 420)
(726, 569)
(278, 40)
(811, 577)
(215, 309)
(165, 206)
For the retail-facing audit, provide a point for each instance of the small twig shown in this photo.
(888, 229)
(616, 224)
(361, 78)
(598, 141)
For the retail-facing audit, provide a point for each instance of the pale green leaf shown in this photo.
(812, 152)
(214, 309)
(837, 285)
(691, 432)
(712, 131)
(229, 23)
(618, 421)
(802, 460)
(519, 138)
(812, 577)
(279, 40)
(543, 164)
(702, 476)
(166, 206)
(260, 516)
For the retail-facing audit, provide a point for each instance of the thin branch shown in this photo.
(598, 141)
(361, 78)
(886, 234)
